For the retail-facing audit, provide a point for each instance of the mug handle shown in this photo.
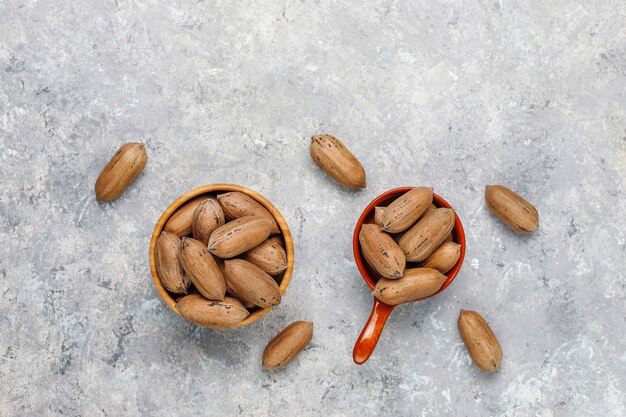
(366, 343)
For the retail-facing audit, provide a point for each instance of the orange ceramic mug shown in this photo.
(366, 343)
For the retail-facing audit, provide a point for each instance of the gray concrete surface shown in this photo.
(450, 94)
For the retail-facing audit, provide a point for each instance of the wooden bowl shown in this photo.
(214, 189)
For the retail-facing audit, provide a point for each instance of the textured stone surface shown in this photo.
(450, 94)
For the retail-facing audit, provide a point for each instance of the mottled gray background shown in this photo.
(450, 94)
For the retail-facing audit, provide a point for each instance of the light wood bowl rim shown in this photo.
(213, 188)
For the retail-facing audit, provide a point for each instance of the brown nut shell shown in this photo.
(378, 215)
(125, 165)
(417, 283)
(512, 209)
(171, 272)
(207, 217)
(251, 284)
(239, 235)
(229, 291)
(181, 221)
(427, 234)
(481, 343)
(287, 344)
(381, 252)
(444, 257)
(404, 211)
(197, 309)
(202, 269)
(337, 161)
(236, 204)
(270, 256)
